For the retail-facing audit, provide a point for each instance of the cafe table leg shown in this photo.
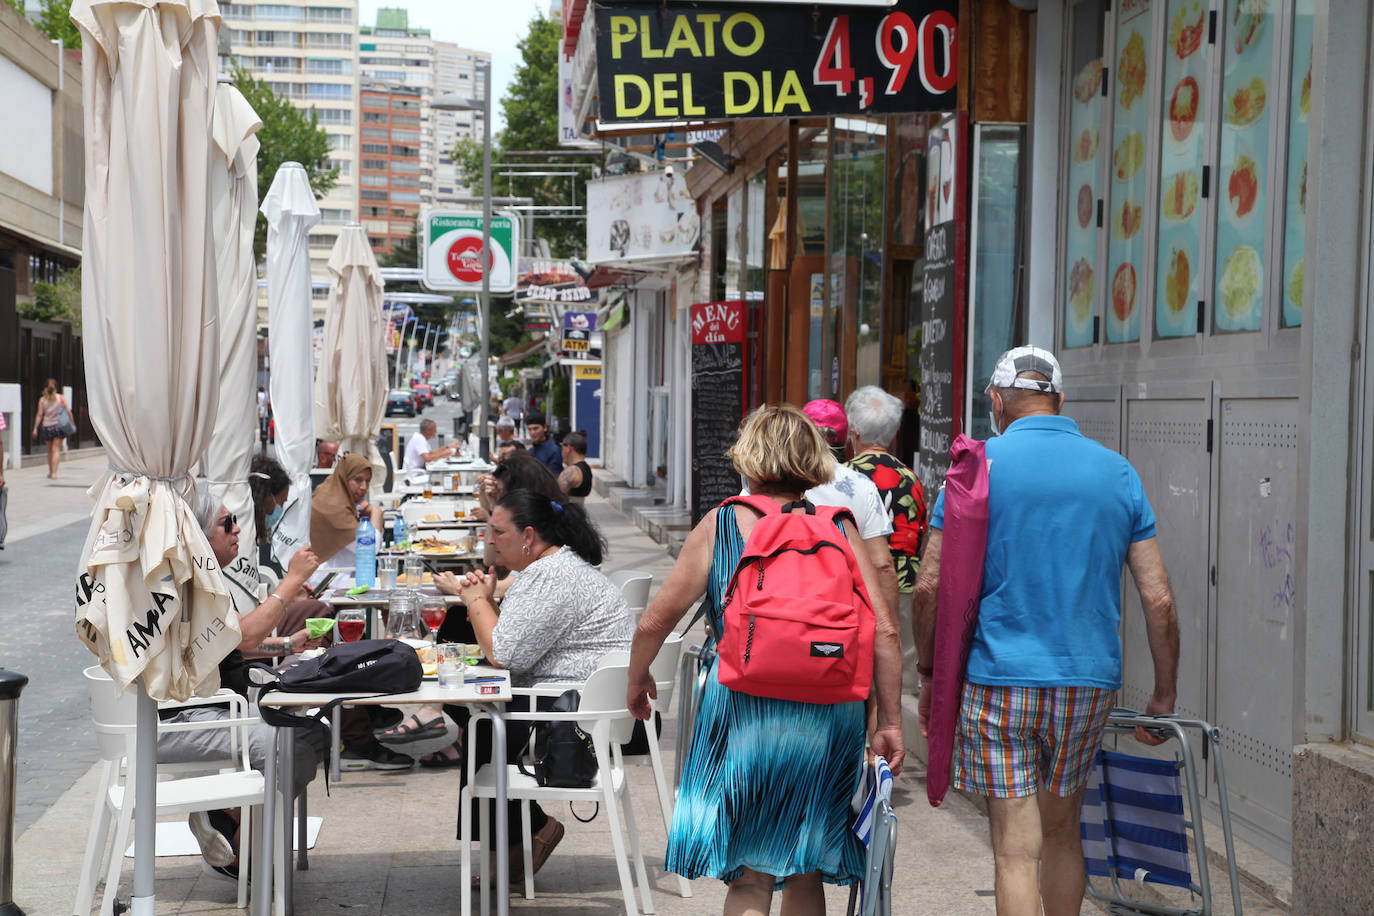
(262, 879)
(498, 754)
(287, 778)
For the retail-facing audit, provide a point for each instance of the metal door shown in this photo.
(1097, 411)
(1167, 443)
(1257, 451)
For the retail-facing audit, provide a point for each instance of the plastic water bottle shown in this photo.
(365, 559)
(400, 535)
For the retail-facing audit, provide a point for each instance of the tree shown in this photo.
(531, 110)
(17, 6)
(288, 134)
(60, 301)
(55, 21)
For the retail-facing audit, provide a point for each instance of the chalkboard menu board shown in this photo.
(717, 400)
(937, 357)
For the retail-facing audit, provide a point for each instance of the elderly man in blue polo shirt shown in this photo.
(1064, 514)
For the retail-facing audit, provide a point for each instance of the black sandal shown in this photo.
(404, 732)
(439, 760)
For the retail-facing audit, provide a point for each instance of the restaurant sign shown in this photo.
(451, 250)
(553, 281)
(663, 62)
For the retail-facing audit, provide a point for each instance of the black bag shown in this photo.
(564, 756)
(375, 666)
(638, 745)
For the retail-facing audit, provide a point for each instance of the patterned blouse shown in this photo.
(905, 502)
(559, 617)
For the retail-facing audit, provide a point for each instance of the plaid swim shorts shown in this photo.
(1015, 741)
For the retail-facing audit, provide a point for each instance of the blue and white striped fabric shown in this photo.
(876, 785)
(1132, 822)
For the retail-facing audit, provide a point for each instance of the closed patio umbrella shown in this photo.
(291, 210)
(234, 209)
(150, 601)
(350, 384)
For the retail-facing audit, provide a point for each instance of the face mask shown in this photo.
(992, 419)
(274, 516)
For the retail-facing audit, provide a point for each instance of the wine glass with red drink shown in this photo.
(351, 623)
(433, 610)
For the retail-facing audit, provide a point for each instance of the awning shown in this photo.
(514, 356)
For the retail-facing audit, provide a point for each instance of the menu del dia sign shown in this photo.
(661, 62)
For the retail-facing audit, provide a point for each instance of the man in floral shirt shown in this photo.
(874, 416)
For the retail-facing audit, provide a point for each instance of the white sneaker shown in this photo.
(214, 846)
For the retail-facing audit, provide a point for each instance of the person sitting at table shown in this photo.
(559, 617)
(508, 448)
(576, 479)
(418, 450)
(518, 472)
(271, 489)
(505, 431)
(260, 612)
(335, 508)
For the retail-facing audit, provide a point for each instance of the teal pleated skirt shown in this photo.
(767, 785)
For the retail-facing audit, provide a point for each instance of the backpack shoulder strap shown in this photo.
(760, 504)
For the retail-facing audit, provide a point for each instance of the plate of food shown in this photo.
(434, 547)
(1131, 70)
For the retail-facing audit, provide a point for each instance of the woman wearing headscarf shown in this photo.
(335, 509)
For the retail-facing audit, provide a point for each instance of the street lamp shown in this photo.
(451, 101)
(401, 348)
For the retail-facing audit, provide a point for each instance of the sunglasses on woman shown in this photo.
(229, 521)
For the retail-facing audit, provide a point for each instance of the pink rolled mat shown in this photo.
(964, 543)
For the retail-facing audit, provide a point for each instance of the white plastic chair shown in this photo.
(634, 584)
(113, 719)
(603, 715)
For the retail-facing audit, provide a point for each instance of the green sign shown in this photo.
(452, 250)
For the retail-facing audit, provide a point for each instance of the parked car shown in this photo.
(426, 394)
(401, 401)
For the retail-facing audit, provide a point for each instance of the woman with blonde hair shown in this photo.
(765, 791)
(45, 424)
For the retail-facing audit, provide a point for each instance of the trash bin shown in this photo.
(11, 685)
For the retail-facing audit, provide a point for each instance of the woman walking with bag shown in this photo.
(49, 422)
(764, 798)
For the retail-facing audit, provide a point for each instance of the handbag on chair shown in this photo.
(563, 754)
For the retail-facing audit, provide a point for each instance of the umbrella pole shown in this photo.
(145, 802)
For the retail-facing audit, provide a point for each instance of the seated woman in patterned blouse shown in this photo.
(559, 617)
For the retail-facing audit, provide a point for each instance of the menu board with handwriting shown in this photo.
(718, 330)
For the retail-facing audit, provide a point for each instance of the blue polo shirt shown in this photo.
(1062, 512)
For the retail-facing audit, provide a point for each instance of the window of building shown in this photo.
(379, 165)
(340, 141)
(376, 149)
(404, 181)
(326, 39)
(331, 66)
(401, 165)
(277, 39)
(373, 117)
(322, 241)
(236, 10)
(1198, 173)
(407, 152)
(329, 91)
(855, 277)
(333, 216)
(373, 195)
(403, 197)
(368, 180)
(405, 120)
(328, 14)
(333, 115)
(375, 133)
(406, 136)
(278, 12)
(345, 167)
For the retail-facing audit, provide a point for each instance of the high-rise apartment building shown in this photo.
(389, 175)
(392, 52)
(307, 51)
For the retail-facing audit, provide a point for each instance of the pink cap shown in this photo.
(829, 416)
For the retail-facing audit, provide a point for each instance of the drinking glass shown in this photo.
(400, 615)
(386, 571)
(429, 489)
(451, 664)
(433, 610)
(415, 570)
(350, 622)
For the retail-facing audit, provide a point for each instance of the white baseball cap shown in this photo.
(1010, 365)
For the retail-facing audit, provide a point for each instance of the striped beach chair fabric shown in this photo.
(876, 827)
(1133, 822)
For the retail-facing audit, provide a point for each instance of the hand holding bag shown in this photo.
(65, 425)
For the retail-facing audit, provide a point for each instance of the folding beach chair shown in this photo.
(1135, 824)
(876, 827)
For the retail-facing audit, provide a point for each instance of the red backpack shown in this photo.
(797, 620)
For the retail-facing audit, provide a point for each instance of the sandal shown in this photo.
(405, 731)
(441, 760)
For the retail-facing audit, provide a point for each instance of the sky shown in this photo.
(482, 25)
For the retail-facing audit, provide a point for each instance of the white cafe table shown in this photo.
(279, 767)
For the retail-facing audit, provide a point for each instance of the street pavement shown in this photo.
(388, 839)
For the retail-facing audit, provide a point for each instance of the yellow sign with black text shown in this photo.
(664, 62)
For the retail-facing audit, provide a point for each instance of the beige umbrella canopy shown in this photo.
(234, 209)
(150, 600)
(350, 386)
